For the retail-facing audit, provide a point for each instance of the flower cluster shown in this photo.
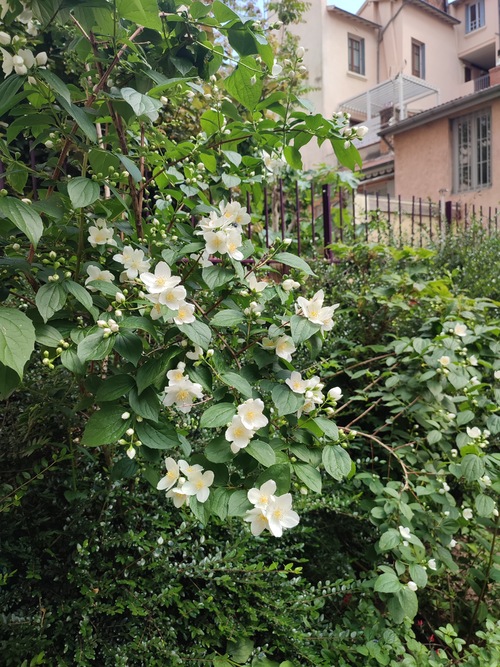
(223, 232)
(315, 312)
(479, 437)
(272, 512)
(22, 61)
(351, 133)
(249, 418)
(96, 273)
(181, 390)
(194, 481)
(310, 388)
(283, 346)
(133, 261)
(100, 234)
(164, 290)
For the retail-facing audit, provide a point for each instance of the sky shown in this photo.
(351, 5)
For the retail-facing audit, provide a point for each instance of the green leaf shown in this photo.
(328, 427)
(389, 540)
(147, 405)
(23, 216)
(47, 335)
(434, 436)
(293, 157)
(296, 262)
(302, 329)
(231, 180)
(49, 299)
(484, 505)
(136, 322)
(17, 340)
(129, 345)
(216, 276)
(153, 372)
(81, 118)
(418, 575)
(285, 400)
(223, 13)
(125, 468)
(71, 361)
(82, 191)
(80, 294)
(493, 424)
(94, 347)
(218, 502)
(105, 426)
(241, 85)
(237, 382)
(55, 83)
(198, 333)
(388, 582)
(114, 387)
(219, 450)
(143, 105)
(262, 452)
(217, 415)
(280, 472)
(8, 90)
(131, 167)
(157, 436)
(472, 467)
(337, 461)
(142, 12)
(227, 318)
(238, 503)
(240, 650)
(309, 475)
(408, 601)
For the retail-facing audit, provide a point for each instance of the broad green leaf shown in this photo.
(114, 387)
(223, 13)
(302, 329)
(80, 294)
(152, 373)
(418, 575)
(81, 118)
(218, 502)
(238, 504)
(23, 216)
(408, 601)
(71, 361)
(292, 156)
(217, 415)
(285, 400)
(49, 299)
(328, 427)
(143, 105)
(240, 650)
(146, 405)
(82, 191)
(125, 468)
(105, 426)
(197, 332)
(296, 262)
(8, 90)
(434, 436)
(262, 452)
(54, 82)
(388, 582)
(216, 276)
(493, 424)
(280, 472)
(157, 436)
(47, 335)
(309, 475)
(95, 347)
(219, 450)
(484, 505)
(131, 167)
(464, 417)
(472, 467)
(141, 12)
(389, 540)
(129, 345)
(9, 380)
(337, 461)
(245, 83)
(227, 318)
(17, 341)
(237, 382)
(231, 180)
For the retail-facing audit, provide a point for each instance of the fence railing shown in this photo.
(316, 216)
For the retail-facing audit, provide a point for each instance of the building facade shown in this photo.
(423, 76)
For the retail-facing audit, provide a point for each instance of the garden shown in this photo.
(218, 446)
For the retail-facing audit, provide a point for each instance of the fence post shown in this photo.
(400, 218)
(266, 217)
(249, 210)
(282, 210)
(313, 231)
(297, 207)
(341, 214)
(327, 222)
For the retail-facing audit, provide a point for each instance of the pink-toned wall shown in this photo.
(424, 162)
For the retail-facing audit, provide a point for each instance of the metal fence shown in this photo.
(316, 216)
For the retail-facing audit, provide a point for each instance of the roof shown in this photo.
(433, 10)
(353, 17)
(443, 110)
(402, 88)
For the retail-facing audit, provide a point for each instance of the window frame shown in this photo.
(351, 51)
(472, 171)
(418, 57)
(471, 25)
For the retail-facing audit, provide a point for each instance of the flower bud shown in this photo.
(125, 415)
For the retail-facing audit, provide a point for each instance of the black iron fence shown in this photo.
(316, 216)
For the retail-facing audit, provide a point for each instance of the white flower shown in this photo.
(258, 520)
(198, 485)
(233, 243)
(405, 532)
(486, 480)
(444, 360)
(96, 273)
(238, 435)
(335, 393)
(473, 360)
(300, 52)
(216, 242)
(196, 354)
(20, 63)
(412, 586)
(233, 211)
(254, 284)
(41, 59)
(452, 544)
(131, 452)
(432, 565)
(280, 515)
(296, 383)
(4, 38)
(473, 432)
(284, 348)
(251, 414)
(176, 375)
(496, 375)
(100, 234)
(177, 494)
(260, 497)
(361, 131)
(289, 284)
(189, 469)
(276, 70)
(272, 164)
(133, 261)
(171, 477)
(185, 314)
(467, 513)
(182, 393)
(460, 330)
(315, 312)
(160, 280)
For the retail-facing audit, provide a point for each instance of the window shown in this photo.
(474, 15)
(418, 59)
(472, 151)
(356, 54)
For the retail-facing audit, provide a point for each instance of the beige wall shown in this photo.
(488, 34)
(424, 162)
